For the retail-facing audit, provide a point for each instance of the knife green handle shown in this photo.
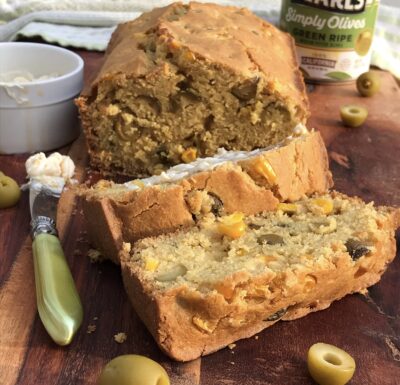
(58, 301)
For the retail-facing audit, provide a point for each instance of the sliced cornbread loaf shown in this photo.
(190, 77)
(227, 278)
(250, 182)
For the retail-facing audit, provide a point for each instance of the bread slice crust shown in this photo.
(188, 323)
(115, 214)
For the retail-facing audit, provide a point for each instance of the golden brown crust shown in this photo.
(107, 237)
(255, 44)
(187, 324)
(153, 212)
(301, 169)
(302, 166)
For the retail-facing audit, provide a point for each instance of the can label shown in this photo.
(333, 37)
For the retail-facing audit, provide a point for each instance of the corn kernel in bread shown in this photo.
(199, 76)
(210, 289)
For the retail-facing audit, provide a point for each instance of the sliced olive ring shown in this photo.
(353, 115)
(172, 274)
(254, 226)
(217, 205)
(356, 249)
(270, 239)
(276, 316)
(329, 365)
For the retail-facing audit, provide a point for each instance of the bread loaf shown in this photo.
(189, 79)
(250, 182)
(202, 288)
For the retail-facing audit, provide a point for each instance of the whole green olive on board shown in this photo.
(132, 369)
(329, 365)
(353, 115)
(9, 191)
(368, 83)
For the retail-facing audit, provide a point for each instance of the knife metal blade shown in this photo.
(59, 305)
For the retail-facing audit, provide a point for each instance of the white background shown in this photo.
(394, 3)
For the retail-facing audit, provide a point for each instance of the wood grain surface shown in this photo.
(364, 161)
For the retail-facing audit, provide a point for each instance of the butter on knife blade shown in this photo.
(52, 172)
(58, 301)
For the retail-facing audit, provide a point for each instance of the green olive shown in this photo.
(368, 83)
(363, 42)
(9, 191)
(353, 115)
(329, 365)
(132, 369)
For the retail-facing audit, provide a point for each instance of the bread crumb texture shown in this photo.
(120, 337)
(95, 256)
(214, 286)
(91, 329)
(181, 81)
(286, 243)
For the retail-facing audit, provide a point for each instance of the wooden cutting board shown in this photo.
(364, 162)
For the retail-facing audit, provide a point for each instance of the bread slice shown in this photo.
(231, 181)
(190, 77)
(202, 288)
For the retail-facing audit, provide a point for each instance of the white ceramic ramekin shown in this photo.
(39, 115)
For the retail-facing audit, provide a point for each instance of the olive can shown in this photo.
(333, 37)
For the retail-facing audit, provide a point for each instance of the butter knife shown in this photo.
(58, 301)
